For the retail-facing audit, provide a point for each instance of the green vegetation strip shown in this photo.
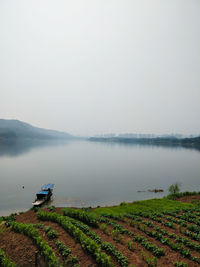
(152, 205)
(42, 245)
(180, 264)
(5, 261)
(182, 194)
(88, 244)
(86, 217)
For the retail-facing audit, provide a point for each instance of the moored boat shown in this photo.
(43, 195)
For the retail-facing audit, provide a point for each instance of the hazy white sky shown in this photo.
(88, 66)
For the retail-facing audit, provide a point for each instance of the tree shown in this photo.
(174, 188)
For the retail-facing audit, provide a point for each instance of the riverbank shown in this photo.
(192, 143)
(123, 234)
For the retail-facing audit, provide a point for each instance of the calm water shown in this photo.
(91, 174)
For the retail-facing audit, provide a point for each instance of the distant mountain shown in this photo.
(15, 129)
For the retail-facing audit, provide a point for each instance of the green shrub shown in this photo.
(158, 252)
(130, 245)
(48, 228)
(64, 251)
(36, 209)
(104, 228)
(10, 218)
(51, 208)
(117, 236)
(52, 234)
(152, 262)
(74, 259)
(5, 261)
(39, 225)
(180, 264)
(110, 249)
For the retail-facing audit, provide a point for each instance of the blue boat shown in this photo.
(43, 195)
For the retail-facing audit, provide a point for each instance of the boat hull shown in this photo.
(40, 202)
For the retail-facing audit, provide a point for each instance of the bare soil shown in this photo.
(189, 199)
(21, 250)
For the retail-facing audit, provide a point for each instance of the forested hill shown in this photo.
(15, 129)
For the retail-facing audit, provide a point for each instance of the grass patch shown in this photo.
(151, 205)
(2, 229)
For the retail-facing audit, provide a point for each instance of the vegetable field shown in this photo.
(102, 237)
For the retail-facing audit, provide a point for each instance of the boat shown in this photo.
(43, 195)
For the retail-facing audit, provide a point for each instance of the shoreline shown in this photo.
(182, 196)
(64, 204)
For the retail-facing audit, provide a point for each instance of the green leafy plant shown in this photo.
(130, 245)
(110, 248)
(30, 231)
(180, 264)
(48, 228)
(10, 218)
(51, 208)
(85, 216)
(117, 236)
(91, 246)
(52, 234)
(5, 261)
(35, 209)
(104, 229)
(72, 261)
(39, 225)
(152, 262)
(64, 251)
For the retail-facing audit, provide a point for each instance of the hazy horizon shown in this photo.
(92, 67)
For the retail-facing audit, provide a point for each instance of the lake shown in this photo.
(90, 173)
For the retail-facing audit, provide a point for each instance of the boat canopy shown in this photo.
(47, 186)
(43, 193)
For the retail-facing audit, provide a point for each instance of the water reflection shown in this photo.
(92, 173)
(155, 145)
(16, 147)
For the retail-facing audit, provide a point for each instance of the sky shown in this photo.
(101, 66)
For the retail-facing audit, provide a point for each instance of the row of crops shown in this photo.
(152, 232)
(177, 244)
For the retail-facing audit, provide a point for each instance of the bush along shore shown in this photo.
(156, 232)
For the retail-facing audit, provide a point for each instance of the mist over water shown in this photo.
(90, 174)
